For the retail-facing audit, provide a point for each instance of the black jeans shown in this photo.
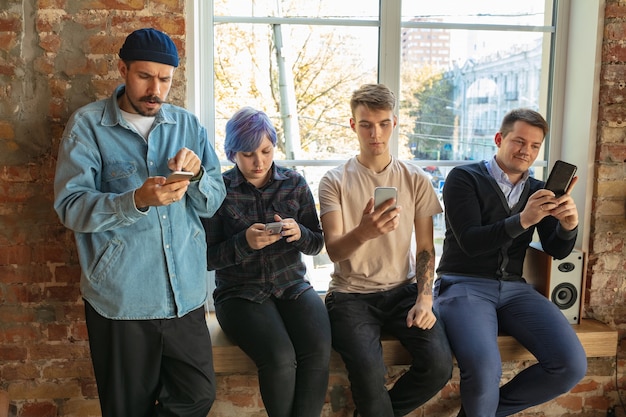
(357, 321)
(289, 341)
(147, 368)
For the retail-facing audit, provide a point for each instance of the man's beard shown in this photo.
(155, 99)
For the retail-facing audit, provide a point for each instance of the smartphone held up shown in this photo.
(382, 194)
(560, 177)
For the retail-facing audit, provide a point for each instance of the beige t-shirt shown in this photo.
(389, 260)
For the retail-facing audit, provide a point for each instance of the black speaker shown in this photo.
(559, 280)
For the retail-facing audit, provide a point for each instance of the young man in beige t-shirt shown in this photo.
(379, 285)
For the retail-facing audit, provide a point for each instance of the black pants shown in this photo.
(148, 368)
(289, 341)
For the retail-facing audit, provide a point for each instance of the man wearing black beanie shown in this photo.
(140, 242)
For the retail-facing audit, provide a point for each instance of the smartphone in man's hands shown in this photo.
(178, 176)
(382, 194)
(560, 177)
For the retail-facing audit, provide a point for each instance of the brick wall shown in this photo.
(56, 55)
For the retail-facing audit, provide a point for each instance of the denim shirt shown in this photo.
(135, 264)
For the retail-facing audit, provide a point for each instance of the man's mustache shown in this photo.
(154, 99)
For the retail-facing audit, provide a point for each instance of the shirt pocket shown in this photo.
(286, 209)
(237, 217)
(105, 260)
(120, 176)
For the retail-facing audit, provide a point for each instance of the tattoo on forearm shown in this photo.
(425, 271)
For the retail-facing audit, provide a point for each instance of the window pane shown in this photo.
(364, 9)
(451, 112)
(458, 79)
(463, 65)
(309, 83)
(529, 12)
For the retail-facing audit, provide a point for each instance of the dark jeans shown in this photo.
(357, 321)
(147, 368)
(474, 310)
(289, 341)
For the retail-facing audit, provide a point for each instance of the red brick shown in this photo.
(7, 130)
(172, 25)
(63, 293)
(44, 65)
(39, 409)
(8, 70)
(79, 331)
(614, 10)
(19, 333)
(16, 313)
(19, 255)
(597, 402)
(13, 353)
(50, 43)
(586, 385)
(15, 274)
(20, 371)
(10, 23)
(48, 21)
(75, 312)
(612, 153)
(57, 332)
(51, 4)
(50, 253)
(167, 5)
(20, 293)
(67, 273)
(104, 44)
(113, 4)
(614, 31)
(613, 53)
(59, 351)
(8, 40)
(68, 369)
(91, 20)
(88, 387)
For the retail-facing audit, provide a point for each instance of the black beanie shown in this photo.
(149, 45)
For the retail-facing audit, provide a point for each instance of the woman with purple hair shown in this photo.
(263, 300)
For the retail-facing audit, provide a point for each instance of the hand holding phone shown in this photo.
(178, 176)
(560, 177)
(382, 194)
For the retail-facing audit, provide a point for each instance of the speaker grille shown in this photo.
(564, 295)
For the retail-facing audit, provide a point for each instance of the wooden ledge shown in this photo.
(598, 339)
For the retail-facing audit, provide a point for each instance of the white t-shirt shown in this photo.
(387, 261)
(143, 124)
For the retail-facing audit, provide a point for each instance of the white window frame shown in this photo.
(575, 84)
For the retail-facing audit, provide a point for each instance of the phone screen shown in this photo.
(178, 176)
(382, 194)
(275, 227)
(560, 177)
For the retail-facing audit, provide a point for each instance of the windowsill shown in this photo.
(598, 339)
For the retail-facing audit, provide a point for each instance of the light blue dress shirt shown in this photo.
(511, 191)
